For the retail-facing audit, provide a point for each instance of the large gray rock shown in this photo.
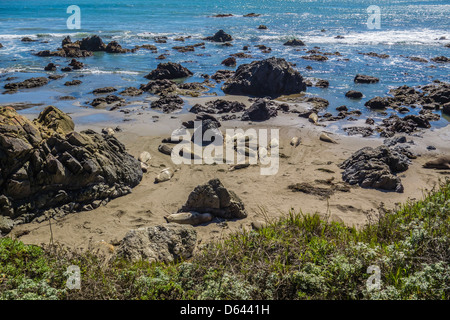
(161, 243)
(269, 77)
(214, 198)
(376, 168)
(45, 165)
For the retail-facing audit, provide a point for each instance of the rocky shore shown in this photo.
(119, 176)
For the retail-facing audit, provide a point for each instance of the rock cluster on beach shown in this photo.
(47, 165)
(376, 168)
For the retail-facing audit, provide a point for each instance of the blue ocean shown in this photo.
(406, 28)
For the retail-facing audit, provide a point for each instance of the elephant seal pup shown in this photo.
(326, 138)
(295, 142)
(164, 148)
(192, 218)
(439, 163)
(165, 175)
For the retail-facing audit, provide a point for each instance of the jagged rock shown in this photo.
(72, 83)
(361, 78)
(103, 102)
(220, 36)
(407, 124)
(168, 104)
(46, 165)
(92, 43)
(169, 70)
(315, 57)
(76, 65)
(441, 59)
(50, 67)
(376, 55)
(229, 62)
(215, 199)
(294, 43)
(161, 87)
(161, 243)
(222, 75)
(219, 106)
(28, 83)
(259, 111)
(131, 91)
(252, 15)
(262, 27)
(115, 47)
(376, 168)
(269, 77)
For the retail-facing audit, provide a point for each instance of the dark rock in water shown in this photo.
(1, 46)
(55, 76)
(262, 27)
(252, 15)
(222, 75)
(169, 70)
(229, 62)
(50, 67)
(418, 59)
(379, 103)
(220, 36)
(76, 65)
(104, 90)
(407, 124)
(168, 104)
(269, 77)
(441, 59)
(27, 39)
(131, 91)
(115, 47)
(215, 199)
(46, 165)
(103, 102)
(92, 43)
(66, 41)
(161, 87)
(147, 47)
(446, 109)
(162, 243)
(353, 94)
(370, 121)
(72, 83)
(294, 43)
(259, 111)
(342, 108)
(222, 15)
(315, 57)
(376, 168)
(322, 83)
(376, 55)
(361, 78)
(28, 83)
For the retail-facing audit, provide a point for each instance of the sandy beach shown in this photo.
(265, 197)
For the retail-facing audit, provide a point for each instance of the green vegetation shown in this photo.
(297, 257)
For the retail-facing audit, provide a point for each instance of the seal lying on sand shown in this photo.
(439, 163)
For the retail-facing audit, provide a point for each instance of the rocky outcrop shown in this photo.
(215, 199)
(92, 43)
(269, 77)
(28, 83)
(294, 43)
(259, 111)
(161, 87)
(169, 70)
(45, 165)
(115, 47)
(161, 243)
(376, 168)
(352, 94)
(219, 106)
(229, 62)
(220, 36)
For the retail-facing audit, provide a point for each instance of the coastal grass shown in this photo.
(299, 256)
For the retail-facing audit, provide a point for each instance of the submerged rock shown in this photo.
(46, 165)
(269, 77)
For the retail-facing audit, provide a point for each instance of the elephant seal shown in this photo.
(164, 148)
(165, 175)
(192, 218)
(313, 117)
(439, 163)
(295, 141)
(324, 137)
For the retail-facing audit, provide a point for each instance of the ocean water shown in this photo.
(407, 28)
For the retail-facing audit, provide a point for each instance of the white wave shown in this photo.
(98, 71)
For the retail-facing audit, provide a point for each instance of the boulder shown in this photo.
(115, 47)
(269, 77)
(168, 104)
(259, 111)
(161, 87)
(76, 65)
(169, 70)
(92, 43)
(376, 168)
(45, 165)
(354, 94)
(294, 43)
(229, 62)
(215, 199)
(220, 36)
(50, 67)
(161, 243)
